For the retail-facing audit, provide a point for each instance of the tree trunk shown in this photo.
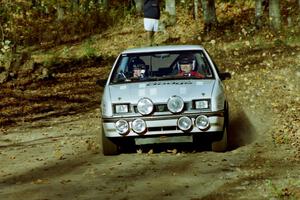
(258, 13)
(104, 3)
(60, 13)
(2, 33)
(209, 14)
(139, 6)
(196, 3)
(33, 3)
(75, 5)
(101, 3)
(171, 9)
(274, 14)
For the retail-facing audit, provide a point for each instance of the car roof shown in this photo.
(163, 48)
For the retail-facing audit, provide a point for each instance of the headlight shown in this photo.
(202, 122)
(145, 106)
(184, 123)
(201, 104)
(122, 127)
(175, 104)
(139, 126)
(121, 108)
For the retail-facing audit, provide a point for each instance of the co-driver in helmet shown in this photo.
(187, 65)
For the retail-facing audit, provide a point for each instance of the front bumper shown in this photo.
(165, 125)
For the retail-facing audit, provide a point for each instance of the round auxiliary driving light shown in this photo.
(139, 126)
(122, 127)
(184, 123)
(202, 122)
(175, 104)
(145, 106)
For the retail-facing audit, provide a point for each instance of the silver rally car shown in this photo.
(164, 94)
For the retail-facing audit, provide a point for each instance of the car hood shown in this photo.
(161, 91)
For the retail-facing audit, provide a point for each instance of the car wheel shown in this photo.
(108, 147)
(221, 145)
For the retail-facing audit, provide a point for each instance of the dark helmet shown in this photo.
(139, 66)
(137, 62)
(187, 59)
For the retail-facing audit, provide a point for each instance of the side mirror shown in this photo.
(225, 75)
(101, 82)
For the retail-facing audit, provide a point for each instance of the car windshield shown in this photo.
(161, 66)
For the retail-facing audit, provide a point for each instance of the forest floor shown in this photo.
(50, 143)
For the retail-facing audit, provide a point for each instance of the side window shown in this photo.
(203, 65)
(121, 68)
(123, 64)
(216, 66)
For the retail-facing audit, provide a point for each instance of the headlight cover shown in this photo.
(184, 123)
(121, 108)
(175, 104)
(122, 127)
(139, 126)
(202, 104)
(202, 122)
(145, 106)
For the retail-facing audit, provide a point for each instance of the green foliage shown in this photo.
(5, 54)
(90, 52)
(279, 42)
(53, 22)
(282, 191)
(5, 46)
(65, 52)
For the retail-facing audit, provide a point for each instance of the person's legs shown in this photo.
(151, 37)
(151, 26)
(154, 30)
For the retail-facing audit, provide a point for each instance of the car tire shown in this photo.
(221, 145)
(108, 147)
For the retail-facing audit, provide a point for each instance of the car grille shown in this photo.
(165, 128)
(163, 108)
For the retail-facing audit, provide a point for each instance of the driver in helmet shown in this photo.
(139, 71)
(187, 67)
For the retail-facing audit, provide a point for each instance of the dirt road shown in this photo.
(60, 158)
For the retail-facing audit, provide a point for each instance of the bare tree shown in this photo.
(196, 3)
(258, 13)
(60, 12)
(209, 14)
(104, 3)
(274, 14)
(139, 6)
(75, 5)
(100, 3)
(171, 9)
(2, 33)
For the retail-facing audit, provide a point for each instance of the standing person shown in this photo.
(151, 18)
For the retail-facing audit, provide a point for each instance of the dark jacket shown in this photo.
(151, 9)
